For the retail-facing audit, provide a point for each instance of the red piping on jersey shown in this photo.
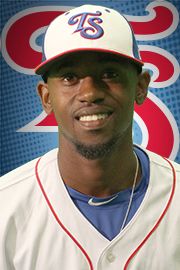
(58, 220)
(159, 220)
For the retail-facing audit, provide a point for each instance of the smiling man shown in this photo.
(98, 202)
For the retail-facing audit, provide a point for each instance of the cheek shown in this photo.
(124, 96)
(58, 105)
(62, 110)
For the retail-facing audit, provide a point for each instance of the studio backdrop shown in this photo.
(27, 132)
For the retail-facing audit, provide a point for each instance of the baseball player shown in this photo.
(98, 202)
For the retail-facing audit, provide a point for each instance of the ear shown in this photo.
(43, 92)
(142, 87)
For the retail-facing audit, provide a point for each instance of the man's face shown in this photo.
(92, 96)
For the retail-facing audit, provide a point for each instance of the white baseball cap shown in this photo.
(88, 28)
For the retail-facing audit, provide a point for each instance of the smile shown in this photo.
(93, 117)
(94, 121)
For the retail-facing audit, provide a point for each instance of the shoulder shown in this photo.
(160, 163)
(164, 184)
(18, 175)
(163, 162)
(19, 190)
(24, 173)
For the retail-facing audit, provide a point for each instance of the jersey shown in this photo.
(41, 228)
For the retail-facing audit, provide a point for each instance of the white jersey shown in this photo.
(42, 229)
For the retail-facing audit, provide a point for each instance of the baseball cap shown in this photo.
(88, 28)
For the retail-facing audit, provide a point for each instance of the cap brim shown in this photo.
(46, 65)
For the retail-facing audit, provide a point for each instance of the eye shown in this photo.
(110, 75)
(69, 78)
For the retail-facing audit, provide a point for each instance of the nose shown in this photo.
(91, 90)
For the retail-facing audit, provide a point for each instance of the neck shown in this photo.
(101, 177)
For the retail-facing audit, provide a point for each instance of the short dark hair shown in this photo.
(45, 77)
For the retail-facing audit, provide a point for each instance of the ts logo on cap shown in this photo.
(94, 30)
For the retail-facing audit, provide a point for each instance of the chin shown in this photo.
(103, 144)
(96, 151)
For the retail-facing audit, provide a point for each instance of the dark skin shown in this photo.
(105, 86)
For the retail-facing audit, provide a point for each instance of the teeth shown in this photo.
(93, 117)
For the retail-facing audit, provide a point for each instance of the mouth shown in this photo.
(93, 117)
(94, 120)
